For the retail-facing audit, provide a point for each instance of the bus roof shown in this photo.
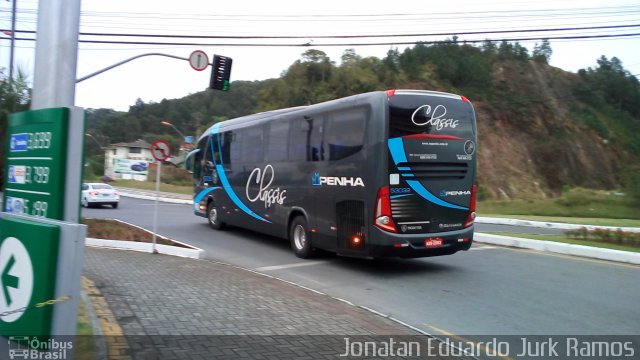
(359, 98)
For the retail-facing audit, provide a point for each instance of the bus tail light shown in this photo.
(383, 211)
(472, 207)
(357, 241)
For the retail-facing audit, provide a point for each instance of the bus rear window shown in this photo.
(428, 114)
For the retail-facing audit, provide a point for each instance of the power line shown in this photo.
(248, 37)
(278, 17)
(310, 44)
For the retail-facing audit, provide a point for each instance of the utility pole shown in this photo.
(54, 75)
(13, 38)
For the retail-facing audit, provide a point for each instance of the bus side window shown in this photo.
(306, 139)
(227, 140)
(278, 141)
(251, 144)
(198, 157)
(345, 133)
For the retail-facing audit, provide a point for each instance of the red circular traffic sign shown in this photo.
(198, 60)
(160, 150)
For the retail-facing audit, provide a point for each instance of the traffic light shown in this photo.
(220, 73)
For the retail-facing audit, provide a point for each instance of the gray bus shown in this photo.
(382, 174)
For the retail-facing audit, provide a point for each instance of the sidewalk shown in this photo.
(166, 307)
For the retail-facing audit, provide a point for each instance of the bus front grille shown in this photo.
(435, 170)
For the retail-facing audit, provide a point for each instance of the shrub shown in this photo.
(609, 236)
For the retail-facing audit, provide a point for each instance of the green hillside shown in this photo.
(541, 129)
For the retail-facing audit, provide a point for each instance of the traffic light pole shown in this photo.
(126, 61)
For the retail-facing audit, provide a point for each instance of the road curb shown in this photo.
(111, 333)
(549, 225)
(560, 248)
(153, 197)
(188, 251)
(195, 253)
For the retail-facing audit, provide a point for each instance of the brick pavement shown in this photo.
(170, 307)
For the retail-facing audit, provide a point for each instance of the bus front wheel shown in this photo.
(300, 238)
(213, 215)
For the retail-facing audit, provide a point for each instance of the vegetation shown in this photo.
(571, 203)
(151, 185)
(576, 130)
(15, 96)
(540, 129)
(618, 236)
(116, 230)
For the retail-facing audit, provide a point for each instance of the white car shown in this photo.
(99, 194)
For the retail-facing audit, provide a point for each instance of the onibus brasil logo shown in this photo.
(25, 347)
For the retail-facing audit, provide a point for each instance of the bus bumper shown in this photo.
(382, 244)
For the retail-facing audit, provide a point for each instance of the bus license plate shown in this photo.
(433, 242)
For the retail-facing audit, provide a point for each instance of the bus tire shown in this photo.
(300, 238)
(213, 216)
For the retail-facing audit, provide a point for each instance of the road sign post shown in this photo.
(160, 151)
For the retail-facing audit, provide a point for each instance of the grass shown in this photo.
(151, 185)
(580, 206)
(115, 230)
(563, 239)
(572, 220)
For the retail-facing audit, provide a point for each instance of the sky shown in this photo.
(154, 78)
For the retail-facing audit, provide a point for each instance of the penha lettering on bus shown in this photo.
(317, 180)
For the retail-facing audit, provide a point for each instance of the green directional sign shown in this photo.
(28, 266)
(36, 161)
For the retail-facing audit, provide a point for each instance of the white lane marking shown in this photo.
(289, 266)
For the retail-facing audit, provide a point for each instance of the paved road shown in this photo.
(488, 290)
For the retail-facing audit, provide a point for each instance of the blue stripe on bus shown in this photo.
(215, 130)
(397, 150)
(403, 168)
(417, 187)
(399, 196)
(204, 193)
(201, 196)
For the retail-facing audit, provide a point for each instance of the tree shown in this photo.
(15, 96)
(542, 52)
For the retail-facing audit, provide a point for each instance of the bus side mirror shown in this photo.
(189, 162)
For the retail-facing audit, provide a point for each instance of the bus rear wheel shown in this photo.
(213, 215)
(300, 238)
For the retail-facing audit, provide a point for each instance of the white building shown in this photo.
(129, 161)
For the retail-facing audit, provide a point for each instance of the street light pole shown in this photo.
(94, 139)
(175, 128)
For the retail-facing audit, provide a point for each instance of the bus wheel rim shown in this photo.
(299, 236)
(213, 214)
